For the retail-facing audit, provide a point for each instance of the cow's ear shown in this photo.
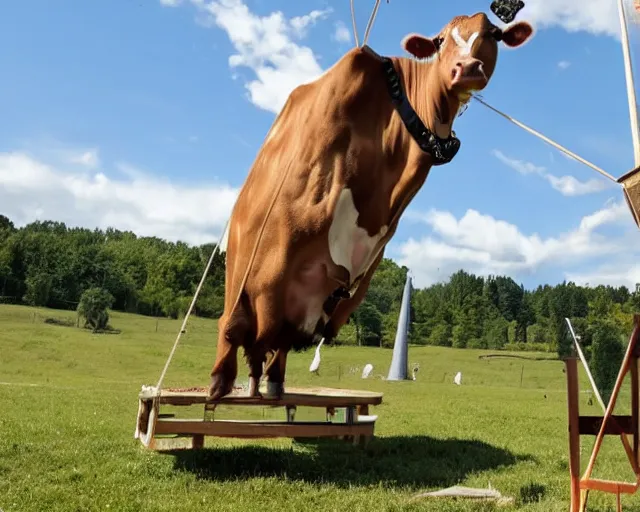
(419, 46)
(517, 34)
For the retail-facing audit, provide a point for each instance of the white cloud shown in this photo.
(300, 23)
(564, 64)
(570, 186)
(171, 3)
(610, 274)
(566, 185)
(598, 17)
(31, 189)
(341, 33)
(520, 166)
(267, 46)
(485, 245)
(88, 158)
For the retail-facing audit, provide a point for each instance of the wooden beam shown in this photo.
(610, 486)
(631, 189)
(571, 365)
(635, 401)
(307, 397)
(262, 429)
(590, 425)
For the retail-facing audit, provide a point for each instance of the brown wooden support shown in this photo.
(601, 426)
(571, 365)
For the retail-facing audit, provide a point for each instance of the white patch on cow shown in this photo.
(350, 245)
(465, 46)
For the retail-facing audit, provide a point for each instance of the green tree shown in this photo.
(560, 308)
(93, 307)
(370, 324)
(607, 354)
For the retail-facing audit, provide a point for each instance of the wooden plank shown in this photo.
(303, 397)
(590, 425)
(631, 190)
(265, 429)
(635, 417)
(610, 486)
(628, 175)
(571, 366)
(161, 444)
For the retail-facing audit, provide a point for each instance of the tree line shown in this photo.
(48, 264)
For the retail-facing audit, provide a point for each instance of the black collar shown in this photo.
(442, 151)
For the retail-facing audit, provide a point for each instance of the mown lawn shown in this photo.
(68, 404)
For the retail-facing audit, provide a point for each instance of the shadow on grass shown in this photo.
(415, 461)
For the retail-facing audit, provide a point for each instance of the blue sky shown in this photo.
(148, 115)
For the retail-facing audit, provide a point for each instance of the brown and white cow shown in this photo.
(328, 186)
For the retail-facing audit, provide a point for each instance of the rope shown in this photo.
(370, 22)
(372, 18)
(355, 28)
(548, 140)
(186, 316)
(631, 87)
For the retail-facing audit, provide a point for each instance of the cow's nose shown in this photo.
(468, 70)
(471, 67)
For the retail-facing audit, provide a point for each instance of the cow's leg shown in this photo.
(275, 373)
(268, 323)
(347, 306)
(255, 359)
(232, 331)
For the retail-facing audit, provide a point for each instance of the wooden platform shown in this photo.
(152, 425)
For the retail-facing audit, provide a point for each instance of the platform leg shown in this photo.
(364, 411)
(635, 391)
(571, 365)
(349, 418)
(198, 442)
(331, 412)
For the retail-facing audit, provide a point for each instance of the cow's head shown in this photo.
(465, 51)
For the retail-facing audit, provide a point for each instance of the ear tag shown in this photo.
(506, 10)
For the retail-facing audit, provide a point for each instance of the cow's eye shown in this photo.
(496, 33)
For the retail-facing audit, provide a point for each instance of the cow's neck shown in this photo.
(426, 92)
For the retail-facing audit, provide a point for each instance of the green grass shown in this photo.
(68, 403)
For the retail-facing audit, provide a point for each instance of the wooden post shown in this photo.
(635, 394)
(634, 407)
(571, 366)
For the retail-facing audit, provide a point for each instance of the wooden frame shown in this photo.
(600, 426)
(631, 187)
(151, 425)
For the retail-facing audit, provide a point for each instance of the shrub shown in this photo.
(93, 306)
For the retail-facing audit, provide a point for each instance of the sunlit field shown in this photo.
(68, 402)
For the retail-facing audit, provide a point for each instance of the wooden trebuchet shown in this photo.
(600, 426)
(631, 186)
(153, 427)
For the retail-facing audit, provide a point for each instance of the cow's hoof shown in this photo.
(254, 384)
(274, 389)
(220, 386)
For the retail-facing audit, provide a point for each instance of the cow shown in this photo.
(339, 165)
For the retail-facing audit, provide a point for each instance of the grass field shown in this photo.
(68, 403)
